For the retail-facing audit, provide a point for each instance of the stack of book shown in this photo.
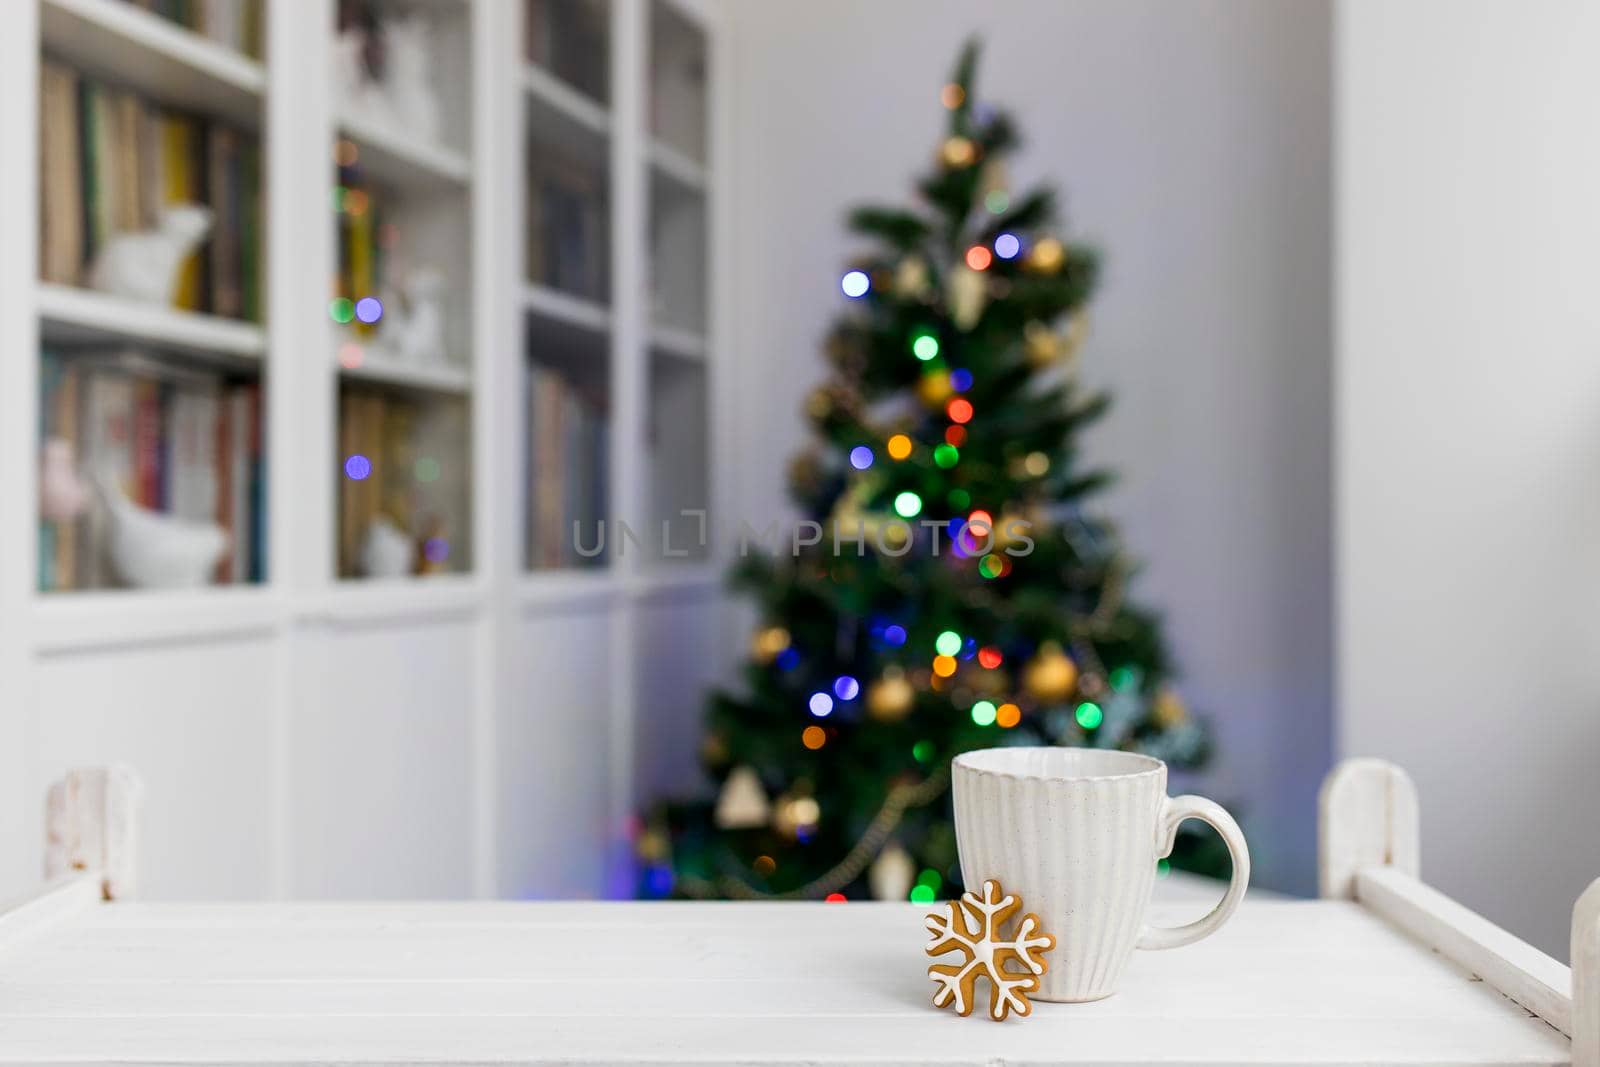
(234, 24)
(567, 471)
(110, 162)
(180, 441)
(567, 241)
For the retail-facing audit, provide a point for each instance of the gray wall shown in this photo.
(1468, 434)
(1193, 141)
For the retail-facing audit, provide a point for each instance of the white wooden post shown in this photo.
(1367, 817)
(1586, 978)
(92, 824)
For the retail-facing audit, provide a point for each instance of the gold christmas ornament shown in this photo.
(793, 813)
(1046, 256)
(714, 751)
(891, 873)
(742, 804)
(967, 292)
(911, 278)
(1168, 708)
(934, 388)
(652, 847)
(1042, 344)
(889, 699)
(972, 927)
(767, 643)
(1050, 676)
(958, 152)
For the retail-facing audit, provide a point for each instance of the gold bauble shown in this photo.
(911, 278)
(1043, 345)
(934, 388)
(958, 152)
(714, 751)
(652, 847)
(1168, 708)
(889, 699)
(1046, 256)
(1050, 676)
(767, 643)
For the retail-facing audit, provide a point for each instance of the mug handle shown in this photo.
(1173, 811)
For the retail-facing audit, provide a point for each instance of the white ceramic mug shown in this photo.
(1076, 833)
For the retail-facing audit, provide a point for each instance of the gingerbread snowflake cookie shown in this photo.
(984, 952)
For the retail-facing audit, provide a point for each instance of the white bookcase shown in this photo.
(482, 731)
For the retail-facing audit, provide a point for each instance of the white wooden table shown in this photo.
(1326, 981)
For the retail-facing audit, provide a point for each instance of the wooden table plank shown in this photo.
(1285, 982)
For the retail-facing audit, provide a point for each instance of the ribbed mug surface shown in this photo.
(1073, 832)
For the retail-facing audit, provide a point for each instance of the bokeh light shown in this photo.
(835, 898)
(855, 283)
(922, 751)
(998, 201)
(947, 643)
(1007, 716)
(924, 345)
(899, 446)
(369, 309)
(351, 355)
(989, 657)
(426, 469)
(961, 379)
(345, 152)
(946, 455)
(895, 635)
(990, 566)
(955, 437)
(357, 467)
(341, 309)
(846, 687)
(436, 550)
(813, 737)
(908, 505)
(979, 258)
(922, 894)
(1036, 464)
(861, 457)
(959, 410)
(952, 96)
(983, 713)
(944, 666)
(1089, 715)
(821, 704)
(1006, 246)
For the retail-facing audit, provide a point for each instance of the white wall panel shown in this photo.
(193, 720)
(678, 663)
(554, 757)
(380, 742)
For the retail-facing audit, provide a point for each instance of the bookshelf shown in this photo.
(481, 703)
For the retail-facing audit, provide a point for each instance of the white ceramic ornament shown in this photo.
(1076, 832)
(967, 292)
(150, 550)
(413, 323)
(386, 550)
(411, 96)
(144, 265)
(891, 873)
(62, 494)
(742, 804)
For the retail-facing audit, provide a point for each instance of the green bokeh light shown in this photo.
(922, 894)
(1089, 715)
(1124, 679)
(947, 643)
(930, 878)
(997, 201)
(907, 505)
(958, 499)
(922, 751)
(946, 455)
(983, 713)
(342, 309)
(990, 567)
(924, 346)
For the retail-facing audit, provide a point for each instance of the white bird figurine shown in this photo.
(386, 550)
(414, 332)
(154, 551)
(411, 97)
(144, 265)
(62, 494)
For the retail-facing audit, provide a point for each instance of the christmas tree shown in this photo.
(952, 588)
